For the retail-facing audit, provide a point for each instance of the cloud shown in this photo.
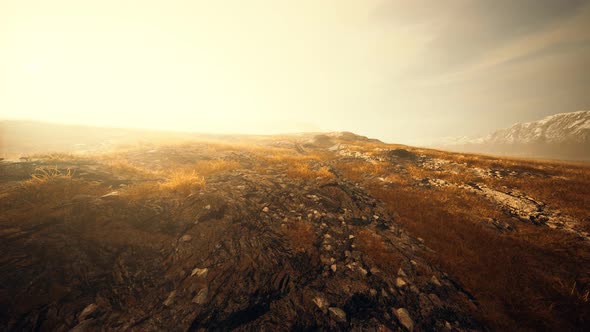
(464, 33)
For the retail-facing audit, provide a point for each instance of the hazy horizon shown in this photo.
(397, 71)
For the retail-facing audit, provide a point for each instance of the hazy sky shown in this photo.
(399, 70)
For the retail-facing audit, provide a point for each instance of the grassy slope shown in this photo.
(534, 278)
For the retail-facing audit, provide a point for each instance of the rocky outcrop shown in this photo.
(530, 210)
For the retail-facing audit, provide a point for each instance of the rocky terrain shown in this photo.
(559, 136)
(309, 232)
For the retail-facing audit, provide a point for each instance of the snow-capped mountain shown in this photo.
(559, 136)
(560, 128)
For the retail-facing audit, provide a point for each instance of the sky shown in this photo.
(402, 71)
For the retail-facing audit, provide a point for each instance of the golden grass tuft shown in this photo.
(45, 174)
(302, 170)
(183, 182)
(123, 167)
(209, 167)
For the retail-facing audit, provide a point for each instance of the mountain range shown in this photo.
(560, 136)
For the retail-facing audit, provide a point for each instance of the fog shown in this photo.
(407, 72)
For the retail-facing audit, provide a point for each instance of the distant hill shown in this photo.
(559, 136)
(23, 138)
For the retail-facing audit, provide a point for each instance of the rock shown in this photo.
(265, 209)
(326, 260)
(333, 267)
(338, 314)
(112, 194)
(199, 272)
(403, 154)
(399, 283)
(404, 317)
(322, 303)
(335, 147)
(401, 272)
(375, 270)
(363, 271)
(91, 308)
(170, 299)
(201, 297)
(435, 281)
(186, 238)
(435, 299)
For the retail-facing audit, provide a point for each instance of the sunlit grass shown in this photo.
(183, 182)
(44, 174)
(302, 170)
(210, 167)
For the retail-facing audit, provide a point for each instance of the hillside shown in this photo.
(559, 136)
(302, 232)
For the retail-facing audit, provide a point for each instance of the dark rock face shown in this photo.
(221, 259)
(403, 154)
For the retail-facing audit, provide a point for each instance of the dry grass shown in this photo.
(301, 236)
(210, 167)
(47, 174)
(372, 245)
(47, 188)
(568, 191)
(282, 157)
(519, 279)
(358, 170)
(559, 184)
(183, 182)
(397, 178)
(124, 168)
(416, 172)
(302, 170)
